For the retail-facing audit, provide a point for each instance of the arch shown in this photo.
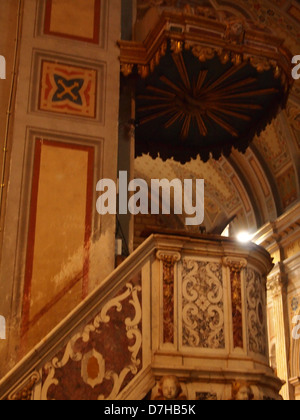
(294, 151)
(232, 7)
(269, 177)
(250, 193)
(256, 183)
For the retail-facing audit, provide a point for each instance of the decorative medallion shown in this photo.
(93, 368)
(68, 89)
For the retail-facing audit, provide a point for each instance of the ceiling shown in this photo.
(256, 187)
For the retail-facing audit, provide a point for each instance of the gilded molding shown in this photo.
(231, 40)
(203, 53)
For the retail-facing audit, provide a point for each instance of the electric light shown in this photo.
(244, 237)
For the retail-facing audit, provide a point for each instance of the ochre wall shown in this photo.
(64, 140)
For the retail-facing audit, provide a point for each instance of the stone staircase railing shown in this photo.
(190, 307)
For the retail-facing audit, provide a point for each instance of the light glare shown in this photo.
(244, 237)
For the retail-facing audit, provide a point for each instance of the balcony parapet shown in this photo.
(194, 308)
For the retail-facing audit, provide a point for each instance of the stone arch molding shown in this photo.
(233, 8)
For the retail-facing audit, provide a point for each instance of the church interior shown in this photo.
(143, 306)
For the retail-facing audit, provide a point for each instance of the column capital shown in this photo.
(168, 257)
(235, 264)
(277, 283)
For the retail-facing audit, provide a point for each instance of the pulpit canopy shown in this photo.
(203, 86)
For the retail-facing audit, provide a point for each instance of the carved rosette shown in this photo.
(235, 267)
(204, 53)
(168, 263)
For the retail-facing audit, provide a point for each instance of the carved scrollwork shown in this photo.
(262, 64)
(94, 366)
(169, 258)
(202, 305)
(256, 313)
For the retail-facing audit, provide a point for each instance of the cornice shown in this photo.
(281, 231)
(261, 49)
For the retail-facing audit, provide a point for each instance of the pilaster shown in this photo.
(277, 289)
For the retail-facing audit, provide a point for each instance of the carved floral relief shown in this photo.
(256, 313)
(202, 305)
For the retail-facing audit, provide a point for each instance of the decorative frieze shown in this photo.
(229, 39)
